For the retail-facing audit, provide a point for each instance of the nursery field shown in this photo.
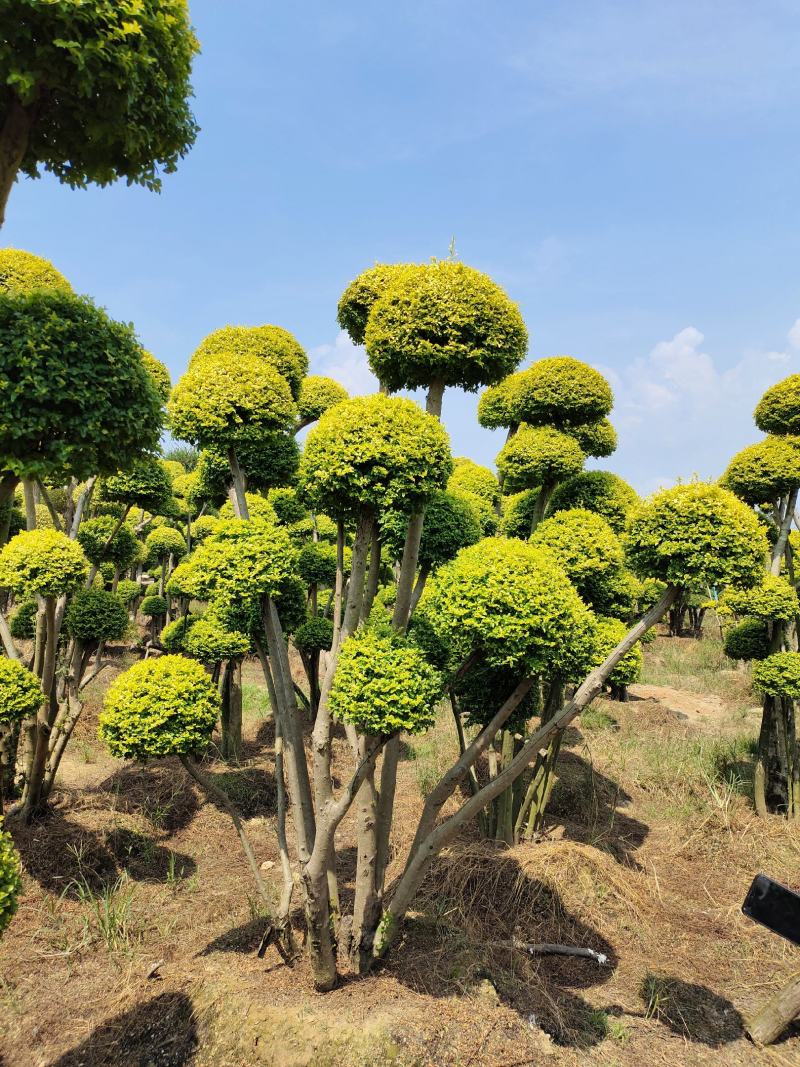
(137, 937)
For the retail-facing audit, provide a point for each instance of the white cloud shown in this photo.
(346, 363)
(678, 413)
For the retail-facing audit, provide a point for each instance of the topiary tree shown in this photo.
(778, 410)
(276, 347)
(317, 394)
(218, 646)
(443, 324)
(20, 698)
(469, 477)
(311, 639)
(777, 774)
(108, 540)
(10, 879)
(748, 640)
(358, 299)
(24, 273)
(155, 608)
(608, 633)
(600, 491)
(590, 553)
(164, 547)
(384, 685)
(168, 707)
(173, 636)
(47, 565)
(539, 457)
(61, 357)
(229, 401)
(120, 70)
(23, 621)
(598, 439)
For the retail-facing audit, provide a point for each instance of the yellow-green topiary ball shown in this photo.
(469, 477)
(778, 410)
(317, 394)
(561, 391)
(159, 707)
(765, 471)
(607, 635)
(384, 685)
(538, 456)
(20, 692)
(357, 300)
(23, 272)
(374, 452)
(772, 599)
(444, 322)
(42, 563)
(10, 879)
(273, 345)
(778, 675)
(696, 535)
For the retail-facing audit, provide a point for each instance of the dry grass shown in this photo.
(650, 848)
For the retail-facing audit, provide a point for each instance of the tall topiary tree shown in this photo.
(118, 69)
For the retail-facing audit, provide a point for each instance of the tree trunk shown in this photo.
(772, 1018)
(429, 847)
(14, 138)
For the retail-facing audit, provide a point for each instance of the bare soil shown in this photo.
(135, 943)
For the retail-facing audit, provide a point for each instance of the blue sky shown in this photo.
(628, 171)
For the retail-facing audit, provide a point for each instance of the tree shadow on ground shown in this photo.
(587, 804)
(691, 1011)
(161, 1032)
(146, 861)
(66, 858)
(251, 790)
(463, 940)
(160, 792)
(243, 939)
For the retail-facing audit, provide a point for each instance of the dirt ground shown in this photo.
(136, 940)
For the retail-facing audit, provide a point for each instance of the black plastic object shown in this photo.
(775, 906)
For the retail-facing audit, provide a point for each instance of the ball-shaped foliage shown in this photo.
(173, 636)
(487, 516)
(772, 599)
(242, 561)
(512, 602)
(444, 322)
(765, 471)
(607, 635)
(498, 404)
(276, 347)
(287, 505)
(471, 477)
(128, 590)
(315, 635)
(518, 513)
(600, 491)
(20, 692)
(290, 601)
(259, 508)
(42, 563)
(778, 410)
(357, 300)
(317, 394)
(23, 621)
(222, 401)
(83, 400)
(96, 615)
(316, 563)
(589, 551)
(163, 542)
(696, 535)
(102, 542)
(159, 707)
(24, 273)
(778, 675)
(203, 527)
(210, 641)
(154, 607)
(10, 879)
(562, 391)
(384, 685)
(748, 640)
(451, 523)
(538, 456)
(375, 452)
(598, 439)
(159, 374)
